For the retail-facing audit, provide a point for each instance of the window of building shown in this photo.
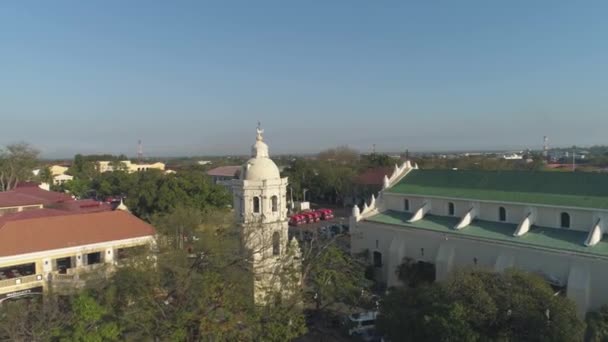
(377, 259)
(93, 258)
(256, 205)
(17, 271)
(63, 264)
(502, 214)
(276, 243)
(406, 204)
(275, 204)
(565, 220)
(450, 208)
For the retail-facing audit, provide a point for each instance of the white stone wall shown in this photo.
(489, 212)
(580, 219)
(584, 276)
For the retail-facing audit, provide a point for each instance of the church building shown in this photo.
(260, 205)
(548, 223)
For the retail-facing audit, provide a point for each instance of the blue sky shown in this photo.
(194, 77)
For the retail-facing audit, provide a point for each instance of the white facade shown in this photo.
(126, 165)
(60, 179)
(260, 205)
(568, 253)
(46, 273)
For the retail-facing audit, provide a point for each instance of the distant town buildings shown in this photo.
(128, 166)
(549, 223)
(224, 175)
(513, 156)
(58, 170)
(60, 179)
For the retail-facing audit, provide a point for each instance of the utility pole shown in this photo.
(304, 194)
(140, 151)
(573, 158)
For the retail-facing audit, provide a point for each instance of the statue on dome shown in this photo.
(260, 131)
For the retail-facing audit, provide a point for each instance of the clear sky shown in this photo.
(194, 77)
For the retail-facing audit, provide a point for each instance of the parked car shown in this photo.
(335, 230)
(311, 217)
(345, 229)
(325, 214)
(360, 322)
(297, 219)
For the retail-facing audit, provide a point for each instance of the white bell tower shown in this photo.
(260, 206)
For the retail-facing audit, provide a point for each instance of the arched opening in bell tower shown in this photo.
(275, 204)
(256, 205)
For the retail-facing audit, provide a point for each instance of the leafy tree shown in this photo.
(45, 175)
(331, 275)
(16, 164)
(83, 168)
(597, 325)
(34, 320)
(340, 155)
(481, 305)
(90, 322)
(179, 224)
(378, 160)
(78, 187)
(414, 274)
(423, 314)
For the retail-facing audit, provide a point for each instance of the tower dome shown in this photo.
(260, 166)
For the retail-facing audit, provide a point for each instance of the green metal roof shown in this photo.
(548, 238)
(570, 189)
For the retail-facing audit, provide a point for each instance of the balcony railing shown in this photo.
(20, 280)
(85, 269)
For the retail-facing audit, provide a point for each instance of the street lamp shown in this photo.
(304, 191)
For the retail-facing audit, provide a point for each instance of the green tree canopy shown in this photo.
(597, 325)
(479, 306)
(16, 164)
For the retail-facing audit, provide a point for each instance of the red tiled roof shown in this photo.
(47, 196)
(224, 171)
(35, 234)
(373, 176)
(14, 199)
(84, 205)
(31, 196)
(29, 214)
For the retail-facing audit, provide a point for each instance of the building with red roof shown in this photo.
(223, 175)
(55, 244)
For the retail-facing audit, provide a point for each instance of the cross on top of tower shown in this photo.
(260, 131)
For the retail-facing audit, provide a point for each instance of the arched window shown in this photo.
(406, 204)
(450, 208)
(276, 243)
(377, 259)
(565, 220)
(502, 214)
(256, 205)
(275, 204)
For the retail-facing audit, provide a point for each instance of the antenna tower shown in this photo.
(140, 151)
(546, 147)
